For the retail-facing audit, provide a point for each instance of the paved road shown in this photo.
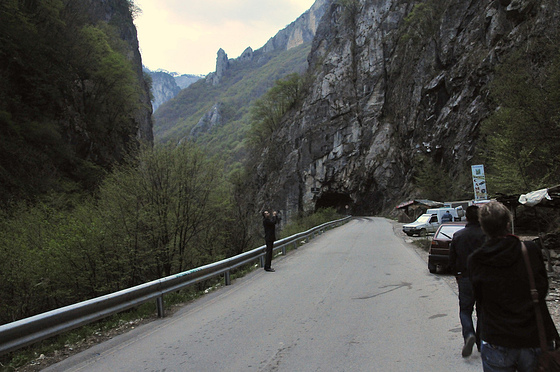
(356, 298)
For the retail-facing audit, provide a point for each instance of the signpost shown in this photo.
(479, 183)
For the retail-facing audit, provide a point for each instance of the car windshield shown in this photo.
(425, 218)
(447, 231)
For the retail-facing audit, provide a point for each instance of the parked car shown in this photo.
(431, 220)
(438, 255)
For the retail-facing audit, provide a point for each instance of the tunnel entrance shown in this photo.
(335, 200)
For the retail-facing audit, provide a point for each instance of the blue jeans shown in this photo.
(466, 307)
(504, 359)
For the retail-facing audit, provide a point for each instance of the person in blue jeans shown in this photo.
(465, 242)
(508, 327)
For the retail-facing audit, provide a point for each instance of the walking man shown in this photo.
(500, 280)
(269, 223)
(465, 242)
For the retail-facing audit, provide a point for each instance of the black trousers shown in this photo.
(268, 255)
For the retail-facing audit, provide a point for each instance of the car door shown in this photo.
(433, 224)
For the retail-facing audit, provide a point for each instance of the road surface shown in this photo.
(356, 298)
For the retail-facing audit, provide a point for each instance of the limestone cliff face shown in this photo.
(222, 64)
(300, 31)
(208, 121)
(164, 88)
(379, 98)
(166, 85)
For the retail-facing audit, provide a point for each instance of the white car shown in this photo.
(426, 223)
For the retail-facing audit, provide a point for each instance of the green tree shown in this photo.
(422, 23)
(167, 211)
(521, 139)
(267, 111)
(49, 259)
(432, 179)
(436, 183)
(244, 217)
(108, 92)
(67, 98)
(163, 206)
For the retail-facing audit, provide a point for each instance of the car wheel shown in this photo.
(423, 232)
(432, 268)
(409, 234)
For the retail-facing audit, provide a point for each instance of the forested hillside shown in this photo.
(183, 118)
(73, 100)
(89, 206)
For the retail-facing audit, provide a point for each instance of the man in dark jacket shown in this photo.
(447, 217)
(269, 223)
(465, 242)
(509, 334)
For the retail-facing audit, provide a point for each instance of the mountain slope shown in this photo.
(393, 82)
(240, 86)
(215, 111)
(166, 85)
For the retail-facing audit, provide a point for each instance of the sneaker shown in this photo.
(270, 269)
(467, 348)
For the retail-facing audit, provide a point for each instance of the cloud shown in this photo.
(220, 11)
(185, 35)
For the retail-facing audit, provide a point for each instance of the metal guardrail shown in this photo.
(27, 331)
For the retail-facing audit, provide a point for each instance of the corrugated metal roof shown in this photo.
(426, 202)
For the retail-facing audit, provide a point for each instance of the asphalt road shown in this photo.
(357, 298)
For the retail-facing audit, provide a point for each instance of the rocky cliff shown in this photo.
(300, 31)
(164, 88)
(166, 85)
(393, 80)
(185, 80)
(217, 108)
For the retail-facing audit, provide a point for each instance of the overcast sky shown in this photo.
(184, 35)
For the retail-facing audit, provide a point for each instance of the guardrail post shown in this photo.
(159, 305)
(295, 245)
(283, 250)
(261, 260)
(227, 277)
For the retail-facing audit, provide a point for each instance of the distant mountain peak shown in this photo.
(300, 31)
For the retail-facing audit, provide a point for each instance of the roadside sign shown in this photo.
(479, 183)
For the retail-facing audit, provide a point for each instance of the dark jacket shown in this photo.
(270, 228)
(464, 242)
(502, 292)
